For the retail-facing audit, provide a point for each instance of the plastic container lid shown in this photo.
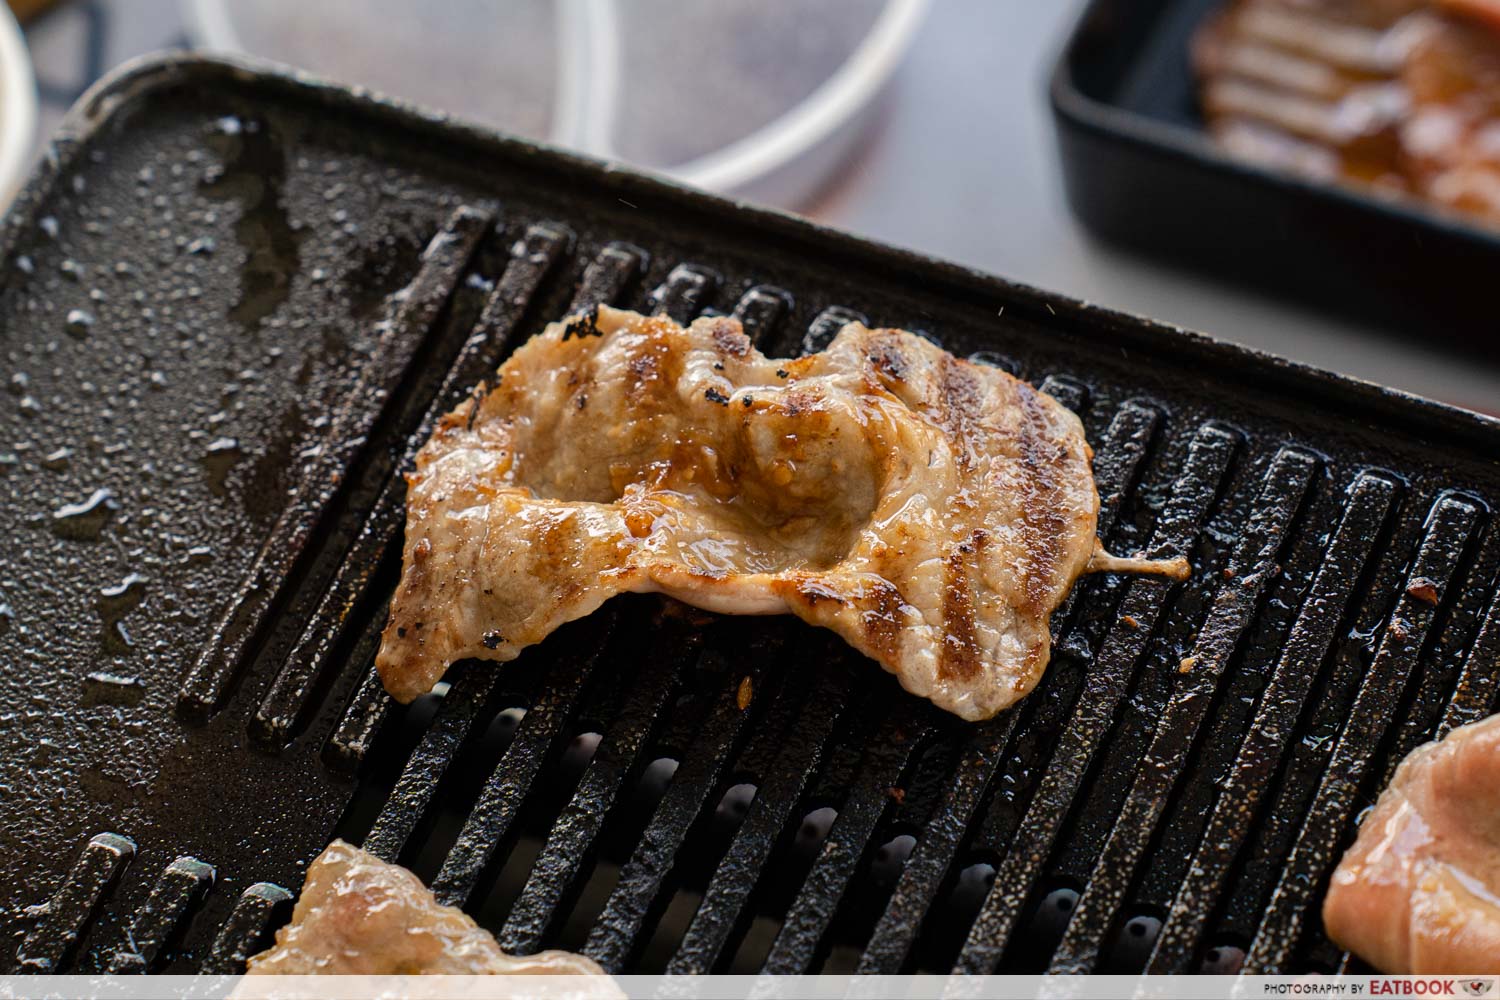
(760, 99)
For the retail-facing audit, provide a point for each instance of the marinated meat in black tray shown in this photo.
(1401, 97)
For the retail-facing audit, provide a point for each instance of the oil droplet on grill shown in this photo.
(112, 689)
(222, 456)
(114, 604)
(252, 171)
(84, 522)
(79, 322)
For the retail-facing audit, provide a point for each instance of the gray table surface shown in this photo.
(964, 165)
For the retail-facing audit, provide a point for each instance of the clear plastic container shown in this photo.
(757, 99)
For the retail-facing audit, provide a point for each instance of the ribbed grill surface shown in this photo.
(663, 789)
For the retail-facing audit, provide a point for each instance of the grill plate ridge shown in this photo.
(657, 787)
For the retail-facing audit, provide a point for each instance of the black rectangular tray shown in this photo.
(216, 307)
(1141, 172)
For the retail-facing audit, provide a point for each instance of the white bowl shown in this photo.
(781, 162)
(17, 107)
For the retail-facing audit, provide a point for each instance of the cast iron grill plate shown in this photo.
(235, 301)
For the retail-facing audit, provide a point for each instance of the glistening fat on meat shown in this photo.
(931, 511)
(360, 916)
(1419, 892)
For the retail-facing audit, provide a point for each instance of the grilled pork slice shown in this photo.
(931, 511)
(1399, 96)
(1419, 892)
(358, 915)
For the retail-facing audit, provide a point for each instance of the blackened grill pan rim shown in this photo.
(924, 282)
(1109, 328)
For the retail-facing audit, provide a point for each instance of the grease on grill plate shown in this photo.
(748, 788)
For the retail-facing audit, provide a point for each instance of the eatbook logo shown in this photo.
(1478, 987)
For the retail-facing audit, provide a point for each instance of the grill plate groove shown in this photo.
(521, 790)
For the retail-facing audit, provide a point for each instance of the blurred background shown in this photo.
(924, 124)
